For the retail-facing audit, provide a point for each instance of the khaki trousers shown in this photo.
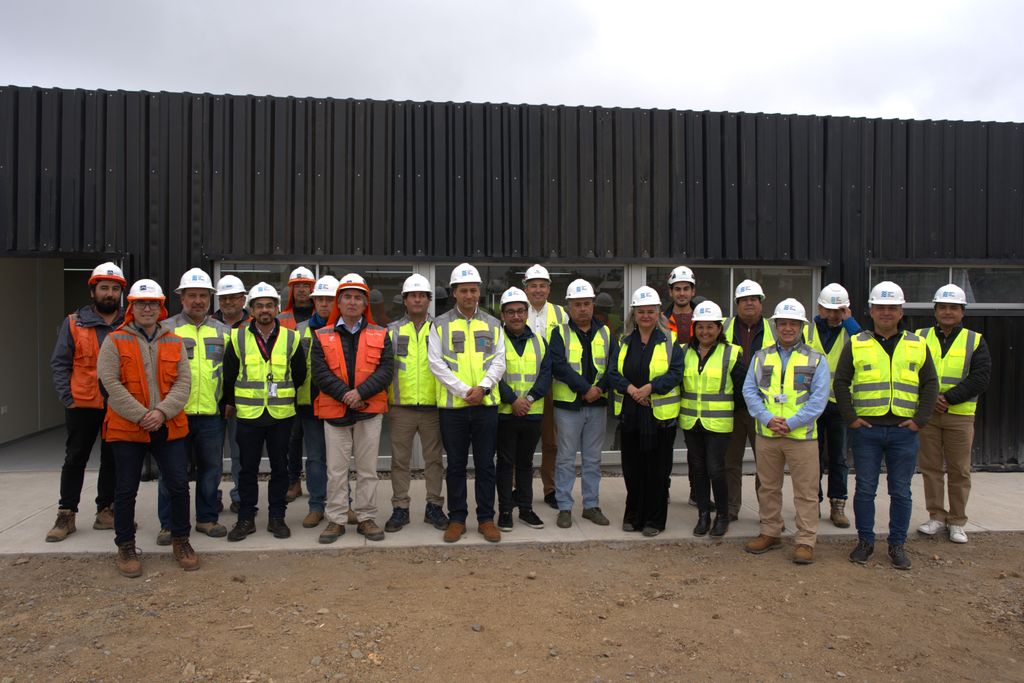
(743, 430)
(802, 457)
(946, 440)
(548, 446)
(359, 442)
(405, 424)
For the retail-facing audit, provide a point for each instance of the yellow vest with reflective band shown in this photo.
(767, 339)
(709, 395)
(303, 396)
(554, 318)
(413, 384)
(468, 348)
(664, 406)
(813, 339)
(205, 345)
(954, 366)
(880, 383)
(599, 345)
(252, 391)
(794, 385)
(521, 371)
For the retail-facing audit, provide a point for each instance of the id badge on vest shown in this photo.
(271, 386)
(780, 398)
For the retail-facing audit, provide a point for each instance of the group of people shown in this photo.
(318, 375)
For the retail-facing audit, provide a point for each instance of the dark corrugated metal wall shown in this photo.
(173, 180)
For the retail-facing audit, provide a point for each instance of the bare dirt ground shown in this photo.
(687, 611)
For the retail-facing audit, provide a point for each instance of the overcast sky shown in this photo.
(907, 59)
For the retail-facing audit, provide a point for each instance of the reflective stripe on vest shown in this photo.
(880, 383)
(304, 392)
(664, 406)
(85, 386)
(413, 383)
(204, 345)
(369, 348)
(252, 389)
(955, 365)
(554, 318)
(813, 339)
(709, 395)
(468, 348)
(767, 339)
(794, 385)
(521, 372)
(599, 346)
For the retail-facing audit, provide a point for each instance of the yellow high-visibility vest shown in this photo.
(468, 347)
(954, 366)
(881, 383)
(521, 371)
(794, 385)
(709, 395)
(599, 347)
(204, 344)
(255, 375)
(413, 383)
(813, 339)
(664, 406)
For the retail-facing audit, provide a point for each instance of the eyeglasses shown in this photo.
(147, 304)
(514, 312)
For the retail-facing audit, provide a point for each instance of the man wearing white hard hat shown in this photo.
(263, 366)
(145, 368)
(298, 308)
(678, 312)
(412, 399)
(828, 334)
(786, 389)
(205, 339)
(751, 332)
(523, 389)
(231, 295)
(886, 388)
(964, 367)
(644, 372)
(353, 366)
(73, 367)
(466, 352)
(312, 428)
(580, 351)
(543, 318)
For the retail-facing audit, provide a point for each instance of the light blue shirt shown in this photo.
(810, 410)
(351, 330)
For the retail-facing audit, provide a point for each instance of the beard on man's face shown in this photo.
(106, 305)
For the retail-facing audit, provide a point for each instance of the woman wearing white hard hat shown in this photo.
(645, 372)
(712, 383)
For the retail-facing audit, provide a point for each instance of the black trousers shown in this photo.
(517, 441)
(647, 472)
(251, 439)
(83, 426)
(705, 457)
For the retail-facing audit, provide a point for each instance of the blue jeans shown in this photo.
(461, 428)
(832, 452)
(579, 431)
(236, 462)
(316, 461)
(205, 439)
(897, 448)
(170, 458)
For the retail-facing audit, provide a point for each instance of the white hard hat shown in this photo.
(579, 289)
(301, 274)
(749, 288)
(681, 274)
(417, 283)
(145, 290)
(107, 271)
(513, 295)
(353, 281)
(195, 278)
(536, 272)
(886, 293)
(645, 296)
(790, 309)
(708, 311)
(264, 291)
(834, 296)
(230, 284)
(465, 273)
(326, 286)
(950, 294)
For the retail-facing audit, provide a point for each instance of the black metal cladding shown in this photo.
(174, 180)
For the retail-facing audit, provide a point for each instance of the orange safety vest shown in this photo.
(133, 377)
(85, 386)
(368, 352)
(287, 319)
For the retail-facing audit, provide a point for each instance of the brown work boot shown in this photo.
(762, 544)
(331, 533)
(370, 530)
(489, 531)
(104, 520)
(128, 562)
(294, 491)
(838, 515)
(63, 527)
(351, 517)
(454, 532)
(212, 529)
(312, 519)
(184, 554)
(803, 554)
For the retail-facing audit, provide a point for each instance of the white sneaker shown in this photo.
(957, 534)
(932, 527)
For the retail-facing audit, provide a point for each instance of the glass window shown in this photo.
(918, 284)
(712, 283)
(990, 285)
